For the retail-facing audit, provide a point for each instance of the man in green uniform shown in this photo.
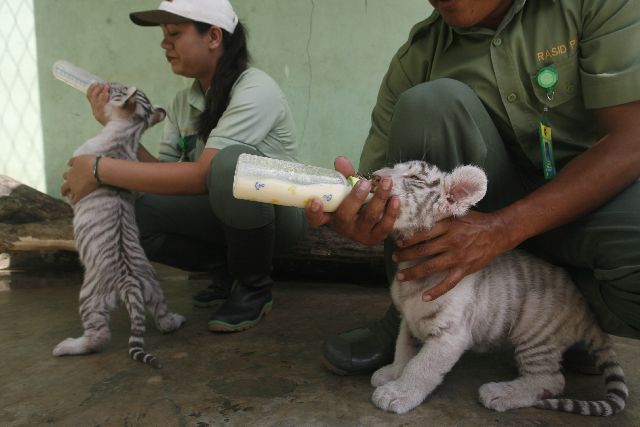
(543, 95)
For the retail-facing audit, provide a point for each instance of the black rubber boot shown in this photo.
(218, 291)
(250, 255)
(363, 350)
(248, 303)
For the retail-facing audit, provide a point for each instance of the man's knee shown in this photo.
(435, 99)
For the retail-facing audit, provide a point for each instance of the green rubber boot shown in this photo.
(249, 258)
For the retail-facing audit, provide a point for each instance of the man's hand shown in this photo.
(368, 224)
(98, 96)
(78, 179)
(460, 246)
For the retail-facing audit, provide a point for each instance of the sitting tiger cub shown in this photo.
(518, 300)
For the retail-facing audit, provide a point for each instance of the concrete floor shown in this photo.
(268, 376)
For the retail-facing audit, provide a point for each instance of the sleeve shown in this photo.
(254, 109)
(374, 152)
(168, 150)
(610, 52)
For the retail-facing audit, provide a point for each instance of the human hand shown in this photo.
(459, 246)
(98, 96)
(368, 224)
(78, 179)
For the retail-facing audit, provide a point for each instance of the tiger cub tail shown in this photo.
(615, 386)
(132, 297)
(136, 351)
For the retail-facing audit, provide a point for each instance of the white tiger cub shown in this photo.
(517, 300)
(107, 239)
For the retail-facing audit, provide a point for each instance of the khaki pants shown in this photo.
(443, 122)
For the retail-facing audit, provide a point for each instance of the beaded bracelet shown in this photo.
(96, 175)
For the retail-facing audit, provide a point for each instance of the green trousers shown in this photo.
(444, 123)
(189, 231)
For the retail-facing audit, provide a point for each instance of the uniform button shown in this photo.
(512, 97)
(497, 41)
(571, 88)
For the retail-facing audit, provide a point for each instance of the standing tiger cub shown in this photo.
(517, 300)
(107, 239)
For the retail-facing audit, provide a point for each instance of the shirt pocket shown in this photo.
(568, 82)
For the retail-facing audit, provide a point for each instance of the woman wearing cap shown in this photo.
(187, 215)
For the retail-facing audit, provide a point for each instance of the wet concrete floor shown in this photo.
(268, 376)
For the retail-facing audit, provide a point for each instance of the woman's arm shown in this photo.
(148, 177)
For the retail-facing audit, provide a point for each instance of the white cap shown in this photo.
(215, 12)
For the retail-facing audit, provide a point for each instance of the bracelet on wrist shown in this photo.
(96, 174)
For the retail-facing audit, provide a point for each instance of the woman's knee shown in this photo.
(230, 211)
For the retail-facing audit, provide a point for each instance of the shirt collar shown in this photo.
(516, 8)
(196, 97)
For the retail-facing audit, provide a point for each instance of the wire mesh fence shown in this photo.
(21, 151)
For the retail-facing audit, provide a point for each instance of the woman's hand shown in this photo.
(460, 246)
(78, 179)
(98, 96)
(368, 224)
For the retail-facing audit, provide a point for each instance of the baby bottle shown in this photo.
(74, 76)
(279, 182)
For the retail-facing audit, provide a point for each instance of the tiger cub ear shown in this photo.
(464, 187)
(158, 115)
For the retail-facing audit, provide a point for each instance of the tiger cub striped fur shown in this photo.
(107, 239)
(518, 300)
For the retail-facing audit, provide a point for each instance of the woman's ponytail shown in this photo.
(233, 62)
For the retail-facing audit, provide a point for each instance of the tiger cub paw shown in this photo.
(384, 375)
(71, 346)
(171, 322)
(506, 395)
(397, 397)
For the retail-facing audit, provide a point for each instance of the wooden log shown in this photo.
(21, 204)
(33, 221)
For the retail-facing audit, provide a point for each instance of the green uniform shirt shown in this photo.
(593, 44)
(258, 115)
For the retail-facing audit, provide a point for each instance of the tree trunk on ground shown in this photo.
(32, 221)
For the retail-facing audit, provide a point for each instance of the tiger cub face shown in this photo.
(131, 104)
(427, 194)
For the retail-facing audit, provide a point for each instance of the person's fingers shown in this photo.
(385, 225)
(424, 248)
(93, 90)
(449, 282)
(70, 161)
(315, 215)
(374, 209)
(104, 92)
(64, 189)
(425, 268)
(438, 229)
(344, 166)
(353, 202)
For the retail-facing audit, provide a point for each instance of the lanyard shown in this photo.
(546, 78)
